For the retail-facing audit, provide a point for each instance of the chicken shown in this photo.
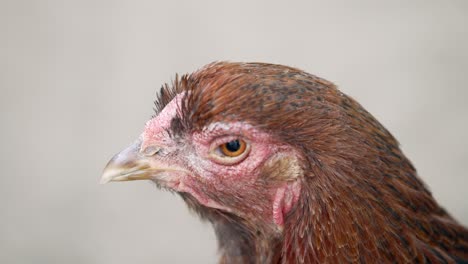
(288, 170)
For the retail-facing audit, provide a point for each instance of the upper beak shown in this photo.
(128, 165)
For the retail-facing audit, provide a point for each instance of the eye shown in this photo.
(230, 152)
(233, 148)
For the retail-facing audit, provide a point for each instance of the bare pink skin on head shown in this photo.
(155, 130)
(219, 133)
(194, 155)
(284, 200)
(155, 135)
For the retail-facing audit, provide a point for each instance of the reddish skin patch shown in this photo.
(285, 198)
(195, 155)
(220, 133)
(155, 133)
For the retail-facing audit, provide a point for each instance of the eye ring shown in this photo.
(233, 148)
(229, 151)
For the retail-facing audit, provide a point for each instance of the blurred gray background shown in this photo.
(78, 80)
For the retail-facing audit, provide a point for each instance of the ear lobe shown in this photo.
(284, 200)
(283, 168)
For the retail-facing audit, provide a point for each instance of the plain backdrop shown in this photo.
(78, 80)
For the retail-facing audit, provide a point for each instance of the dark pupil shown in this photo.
(233, 146)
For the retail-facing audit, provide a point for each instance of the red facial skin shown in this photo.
(196, 154)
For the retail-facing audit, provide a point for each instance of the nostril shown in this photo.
(149, 150)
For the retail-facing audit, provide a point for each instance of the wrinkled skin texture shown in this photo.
(323, 181)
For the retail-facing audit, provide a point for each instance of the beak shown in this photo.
(127, 165)
(133, 163)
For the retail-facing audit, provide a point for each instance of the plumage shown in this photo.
(322, 181)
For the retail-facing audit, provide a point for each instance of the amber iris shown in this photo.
(233, 148)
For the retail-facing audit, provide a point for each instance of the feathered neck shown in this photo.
(343, 226)
(360, 222)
